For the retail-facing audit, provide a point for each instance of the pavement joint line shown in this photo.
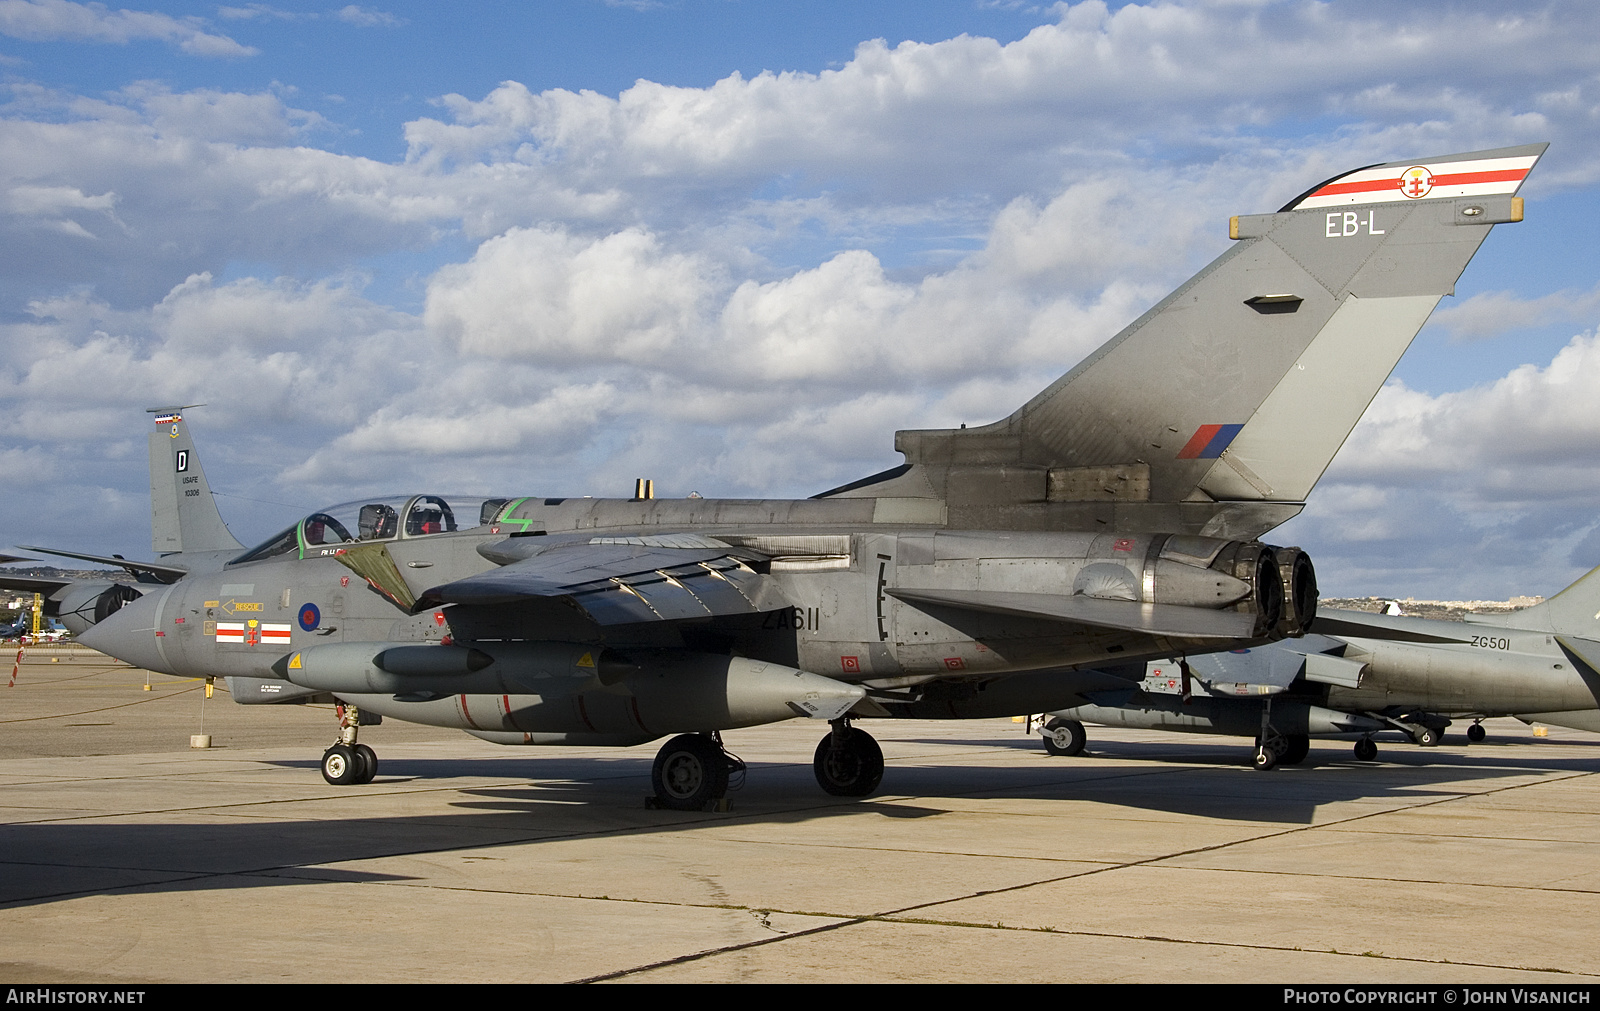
(895, 915)
(889, 919)
(1393, 881)
(1214, 847)
(1464, 835)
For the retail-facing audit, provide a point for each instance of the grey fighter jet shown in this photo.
(1113, 517)
(1361, 674)
(186, 535)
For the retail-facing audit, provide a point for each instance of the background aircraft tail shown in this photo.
(183, 513)
(1217, 411)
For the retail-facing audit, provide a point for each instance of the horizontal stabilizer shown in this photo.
(1394, 628)
(1578, 719)
(1126, 615)
(32, 584)
(1583, 651)
(163, 573)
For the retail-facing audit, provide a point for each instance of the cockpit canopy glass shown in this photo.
(343, 526)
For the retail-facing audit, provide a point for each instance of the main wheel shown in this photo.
(1265, 758)
(1426, 737)
(1476, 733)
(851, 768)
(1366, 750)
(690, 771)
(1064, 737)
(369, 762)
(1295, 749)
(341, 766)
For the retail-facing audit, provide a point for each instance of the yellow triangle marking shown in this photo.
(587, 660)
(294, 662)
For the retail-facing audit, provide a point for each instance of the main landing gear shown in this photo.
(692, 771)
(348, 763)
(1366, 749)
(1476, 733)
(1280, 749)
(848, 762)
(1274, 748)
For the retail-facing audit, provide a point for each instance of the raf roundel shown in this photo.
(310, 617)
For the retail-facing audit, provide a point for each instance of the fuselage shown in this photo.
(834, 613)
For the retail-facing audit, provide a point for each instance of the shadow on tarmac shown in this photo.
(563, 797)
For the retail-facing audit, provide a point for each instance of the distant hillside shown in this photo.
(1444, 610)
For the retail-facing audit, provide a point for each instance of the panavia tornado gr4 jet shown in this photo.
(1113, 517)
(1360, 674)
(187, 535)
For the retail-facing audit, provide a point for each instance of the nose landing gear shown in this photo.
(1064, 737)
(348, 763)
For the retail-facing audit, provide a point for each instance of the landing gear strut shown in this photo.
(691, 771)
(848, 762)
(347, 762)
(1064, 737)
(1271, 745)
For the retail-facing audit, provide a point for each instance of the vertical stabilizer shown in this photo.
(1218, 410)
(183, 514)
(1573, 611)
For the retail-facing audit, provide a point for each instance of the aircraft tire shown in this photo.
(1265, 758)
(852, 769)
(1427, 737)
(1366, 750)
(1064, 737)
(690, 771)
(1476, 733)
(369, 763)
(341, 766)
(1295, 749)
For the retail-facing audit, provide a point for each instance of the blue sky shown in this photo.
(732, 246)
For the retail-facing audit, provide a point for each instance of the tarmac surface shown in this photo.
(128, 858)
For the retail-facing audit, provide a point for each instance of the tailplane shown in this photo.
(1217, 411)
(183, 514)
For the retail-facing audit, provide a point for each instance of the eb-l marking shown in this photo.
(1345, 223)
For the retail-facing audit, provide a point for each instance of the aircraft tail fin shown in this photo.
(1217, 411)
(183, 513)
(1573, 611)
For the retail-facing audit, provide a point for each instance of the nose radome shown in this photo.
(129, 634)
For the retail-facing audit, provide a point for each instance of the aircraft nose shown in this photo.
(129, 634)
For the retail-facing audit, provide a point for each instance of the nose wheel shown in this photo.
(1064, 737)
(848, 762)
